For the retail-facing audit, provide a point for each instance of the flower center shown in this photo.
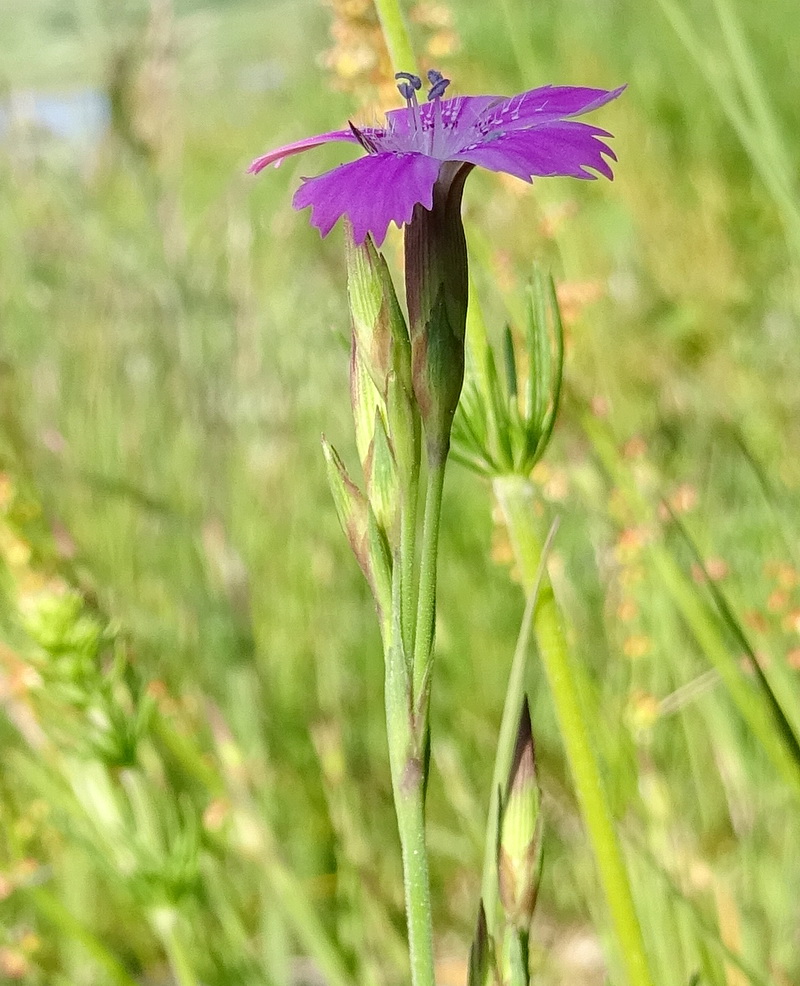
(432, 127)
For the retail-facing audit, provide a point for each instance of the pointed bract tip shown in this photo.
(480, 952)
(350, 503)
(523, 763)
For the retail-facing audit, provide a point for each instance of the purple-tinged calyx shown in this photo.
(437, 291)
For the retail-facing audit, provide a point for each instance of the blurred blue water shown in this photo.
(80, 116)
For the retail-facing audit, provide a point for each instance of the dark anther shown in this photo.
(362, 138)
(415, 80)
(439, 85)
(412, 84)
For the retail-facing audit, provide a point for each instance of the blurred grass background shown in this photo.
(194, 785)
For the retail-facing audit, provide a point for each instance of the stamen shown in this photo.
(438, 84)
(408, 90)
(362, 138)
(412, 84)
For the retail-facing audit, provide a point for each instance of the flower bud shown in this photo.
(519, 855)
(363, 532)
(351, 505)
(367, 305)
(380, 471)
(404, 429)
(380, 570)
(379, 328)
(365, 401)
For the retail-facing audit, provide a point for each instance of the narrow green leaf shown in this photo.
(509, 360)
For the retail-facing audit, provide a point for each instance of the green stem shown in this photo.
(49, 907)
(165, 921)
(408, 543)
(406, 757)
(520, 43)
(407, 724)
(515, 496)
(395, 32)
(411, 823)
(426, 600)
(509, 723)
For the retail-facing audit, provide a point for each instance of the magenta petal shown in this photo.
(298, 147)
(538, 106)
(564, 148)
(371, 192)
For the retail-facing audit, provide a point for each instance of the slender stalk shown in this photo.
(411, 823)
(406, 758)
(165, 921)
(515, 497)
(426, 600)
(520, 42)
(49, 907)
(512, 707)
(395, 32)
(407, 729)
(408, 545)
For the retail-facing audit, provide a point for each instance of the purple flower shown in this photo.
(414, 173)
(526, 136)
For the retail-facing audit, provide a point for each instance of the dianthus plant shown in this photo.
(406, 379)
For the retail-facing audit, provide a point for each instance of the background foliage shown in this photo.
(193, 778)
